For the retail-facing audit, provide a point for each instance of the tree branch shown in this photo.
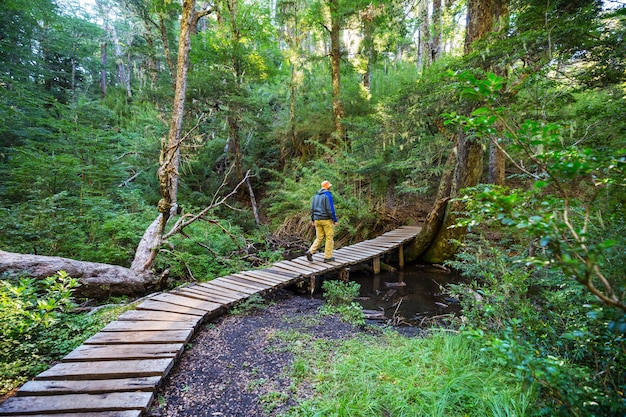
(182, 222)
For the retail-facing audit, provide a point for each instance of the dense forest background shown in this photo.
(202, 129)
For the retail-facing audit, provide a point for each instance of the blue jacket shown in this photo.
(322, 206)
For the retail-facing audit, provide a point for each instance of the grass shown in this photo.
(443, 375)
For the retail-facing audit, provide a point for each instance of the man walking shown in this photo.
(324, 219)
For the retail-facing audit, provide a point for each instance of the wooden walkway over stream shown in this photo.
(116, 372)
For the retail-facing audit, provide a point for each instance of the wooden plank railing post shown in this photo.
(401, 255)
(344, 274)
(377, 264)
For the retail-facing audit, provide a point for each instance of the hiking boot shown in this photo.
(309, 256)
(329, 260)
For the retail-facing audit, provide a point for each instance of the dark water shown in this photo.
(410, 296)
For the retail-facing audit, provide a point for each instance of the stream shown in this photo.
(409, 296)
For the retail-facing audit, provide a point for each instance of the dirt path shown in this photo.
(237, 366)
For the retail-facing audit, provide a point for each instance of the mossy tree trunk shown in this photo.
(439, 239)
(170, 153)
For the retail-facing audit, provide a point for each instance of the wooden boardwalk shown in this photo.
(116, 372)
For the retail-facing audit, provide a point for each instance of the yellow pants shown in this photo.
(324, 230)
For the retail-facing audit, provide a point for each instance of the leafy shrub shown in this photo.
(339, 300)
(27, 308)
(38, 326)
(555, 311)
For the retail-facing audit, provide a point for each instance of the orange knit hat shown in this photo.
(326, 185)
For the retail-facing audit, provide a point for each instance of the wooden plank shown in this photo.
(282, 272)
(108, 370)
(211, 291)
(259, 278)
(150, 315)
(275, 279)
(343, 251)
(291, 273)
(139, 337)
(131, 325)
(301, 269)
(219, 282)
(280, 268)
(356, 257)
(214, 285)
(77, 403)
(349, 257)
(147, 384)
(187, 302)
(315, 266)
(394, 241)
(85, 353)
(169, 307)
(364, 251)
(377, 246)
(374, 243)
(125, 413)
(246, 283)
(201, 295)
(273, 275)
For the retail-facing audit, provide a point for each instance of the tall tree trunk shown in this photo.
(367, 16)
(234, 142)
(480, 21)
(170, 152)
(435, 47)
(103, 69)
(292, 111)
(496, 165)
(424, 38)
(497, 160)
(469, 167)
(119, 59)
(119, 62)
(152, 64)
(368, 43)
(468, 172)
(166, 47)
(335, 62)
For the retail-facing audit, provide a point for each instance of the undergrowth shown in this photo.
(39, 327)
(390, 375)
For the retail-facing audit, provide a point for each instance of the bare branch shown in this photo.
(182, 222)
(129, 180)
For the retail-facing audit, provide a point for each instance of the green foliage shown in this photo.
(210, 249)
(339, 300)
(205, 251)
(92, 229)
(440, 375)
(556, 210)
(249, 306)
(36, 326)
(411, 151)
(544, 328)
(527, 301)
(339, 293)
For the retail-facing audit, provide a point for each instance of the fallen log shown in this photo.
(98, 281)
